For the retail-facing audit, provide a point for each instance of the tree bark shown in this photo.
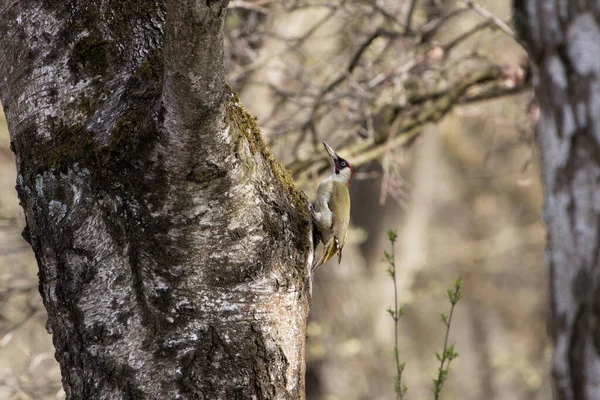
(563, 39)
(173, 248)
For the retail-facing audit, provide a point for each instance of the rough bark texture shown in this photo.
(563, 39)
(172, 247)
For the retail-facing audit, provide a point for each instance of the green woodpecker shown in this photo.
(332, 208)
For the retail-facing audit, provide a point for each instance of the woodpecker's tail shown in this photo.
(329, 250)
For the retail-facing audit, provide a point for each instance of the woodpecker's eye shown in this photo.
(343, 164)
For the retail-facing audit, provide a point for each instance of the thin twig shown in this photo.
(299, 41)
(464, 36)
(497, 92)
(503, 26)
(411, 10)
(396, 321)
(396, 314)
(390, 17)
(429, 29)
(448, 353)
(353, 62)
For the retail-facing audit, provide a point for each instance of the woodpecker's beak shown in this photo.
(331, 152)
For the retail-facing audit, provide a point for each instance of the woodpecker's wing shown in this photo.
(339, 204)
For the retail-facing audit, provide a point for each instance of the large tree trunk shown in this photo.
(173, 248)
(563, 39)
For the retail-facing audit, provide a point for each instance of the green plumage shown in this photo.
(335, 230)
(339, 204)
(331, 211)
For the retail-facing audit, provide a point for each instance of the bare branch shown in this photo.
(503, 26)
(410, 14)
(429, 29)
(409, 126)
(464, 36)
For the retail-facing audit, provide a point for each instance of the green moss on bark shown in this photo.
(91, 56)
(69, 145)
(246, 130)
(134, 131)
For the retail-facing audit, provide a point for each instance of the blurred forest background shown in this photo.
(431, 101)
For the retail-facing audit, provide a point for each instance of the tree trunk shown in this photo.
(563, 39)
(173, 248)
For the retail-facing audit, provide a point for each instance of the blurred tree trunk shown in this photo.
(563, 40)
(172, 246)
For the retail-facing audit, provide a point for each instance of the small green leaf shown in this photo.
(391, 272)
(401, 367)
(387, 256)
(392, 236)
(444, 318)
(449, 352)
(458, 283)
